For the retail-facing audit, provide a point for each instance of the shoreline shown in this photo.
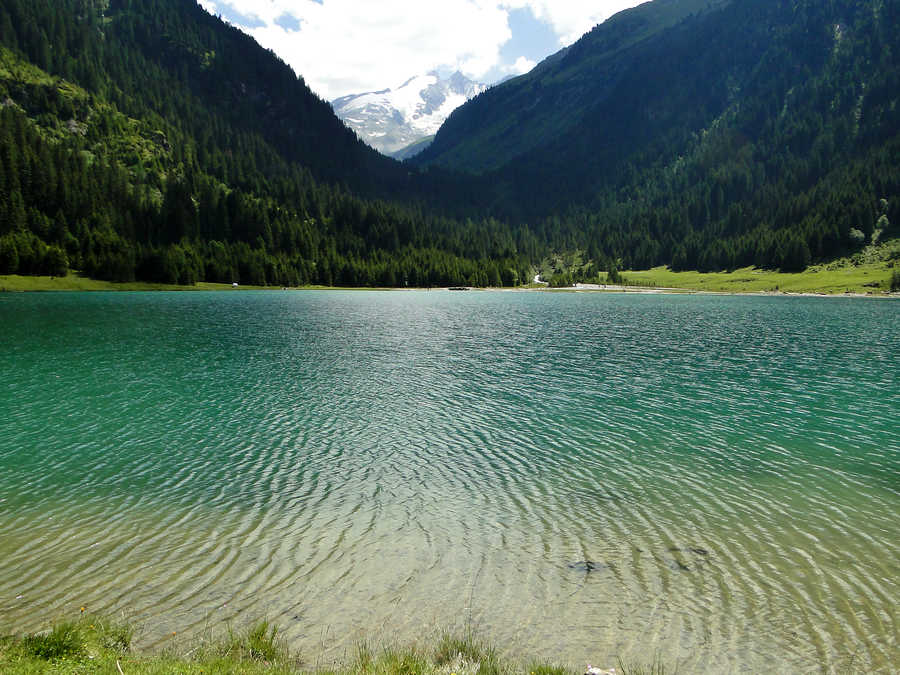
(92, 643)
(77, 283)
(589, 288)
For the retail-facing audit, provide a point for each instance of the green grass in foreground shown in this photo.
(97, 645)
(94, 644)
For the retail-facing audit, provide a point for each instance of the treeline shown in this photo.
(62, 206)
(773, 227)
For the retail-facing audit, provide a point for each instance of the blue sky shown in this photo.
(353, 46)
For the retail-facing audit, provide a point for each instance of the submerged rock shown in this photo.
(694, 550)
(679, 563)
(679, 566)
(587, 566)
(701, 555)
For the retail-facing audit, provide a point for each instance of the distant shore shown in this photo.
(690, 291)
(814, 282)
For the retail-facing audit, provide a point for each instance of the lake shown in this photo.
(713, 482)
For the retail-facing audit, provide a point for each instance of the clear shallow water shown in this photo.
(388, 465)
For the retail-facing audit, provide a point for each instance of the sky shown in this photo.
(345, 47)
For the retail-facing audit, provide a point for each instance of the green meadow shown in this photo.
(871, 271)
(867, 279)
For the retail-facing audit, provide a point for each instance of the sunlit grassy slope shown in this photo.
(751, 280)
(869, 271)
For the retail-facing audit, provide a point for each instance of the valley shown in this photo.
(176, 150)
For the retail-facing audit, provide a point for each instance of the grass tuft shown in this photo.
(452, 647)
(468, 648)
(259, 642)
(94, 644)
(109, 634)
(548, 669)
(365, 658)
(656, 668)
(65, 640)
(263, 642)
(402, 662)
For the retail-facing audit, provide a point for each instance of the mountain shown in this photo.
(702, 134)
(526, 112)
(392, 120)
(147, 139)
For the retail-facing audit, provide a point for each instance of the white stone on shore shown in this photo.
(593, 670)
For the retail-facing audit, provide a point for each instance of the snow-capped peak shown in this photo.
(393, 119)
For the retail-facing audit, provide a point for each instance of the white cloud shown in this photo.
(522, 66)
(346, 46)
(570, 19)
(351, 46)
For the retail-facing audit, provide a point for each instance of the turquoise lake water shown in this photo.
(713, 482)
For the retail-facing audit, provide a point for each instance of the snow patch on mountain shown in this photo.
(393, 119)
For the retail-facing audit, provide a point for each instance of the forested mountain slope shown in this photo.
(706, 135)
(526, 112)
(146, 138)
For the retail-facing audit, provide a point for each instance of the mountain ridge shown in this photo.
(455, 145)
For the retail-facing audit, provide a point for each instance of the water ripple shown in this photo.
(581, 477)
